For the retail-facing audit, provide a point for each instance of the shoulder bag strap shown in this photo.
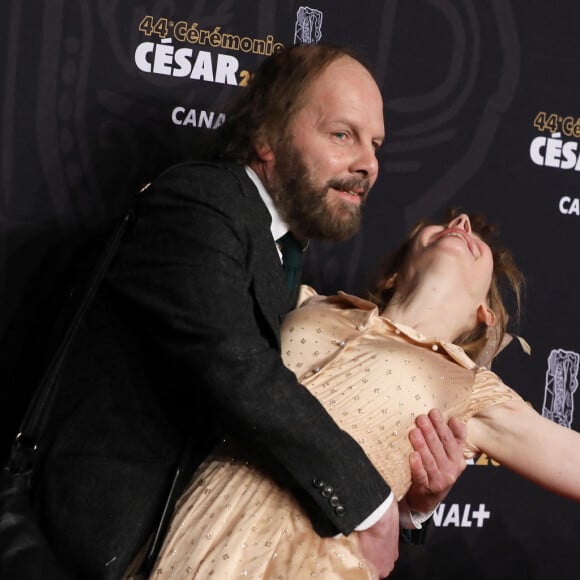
(23, 452)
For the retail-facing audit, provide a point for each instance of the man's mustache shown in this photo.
(359, 186)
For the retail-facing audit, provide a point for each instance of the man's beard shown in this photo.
(305, 207)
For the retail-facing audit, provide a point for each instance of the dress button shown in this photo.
(316, 370)
(334, 501)
(360, 327)
(435, 347)
(318, 483)
(339, 510)
(397, 331)
(327, 491)
(342, 343)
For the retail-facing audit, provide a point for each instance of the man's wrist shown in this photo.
(371, 520)
(410, 519)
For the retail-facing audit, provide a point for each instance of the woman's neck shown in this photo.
(434, 310)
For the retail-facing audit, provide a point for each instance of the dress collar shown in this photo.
(436, 344)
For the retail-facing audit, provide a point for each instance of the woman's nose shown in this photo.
(461, 221)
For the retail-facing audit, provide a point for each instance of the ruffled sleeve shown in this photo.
(488, 390)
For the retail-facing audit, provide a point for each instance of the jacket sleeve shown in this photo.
(188, 270)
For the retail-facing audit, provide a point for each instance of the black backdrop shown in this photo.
(482, 111)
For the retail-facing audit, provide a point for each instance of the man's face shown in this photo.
(322, 174)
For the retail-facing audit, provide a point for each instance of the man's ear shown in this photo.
(486, 315)
(264, 151)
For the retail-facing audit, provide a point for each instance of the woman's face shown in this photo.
(456, 251)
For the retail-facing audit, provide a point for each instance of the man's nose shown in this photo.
(365, 162)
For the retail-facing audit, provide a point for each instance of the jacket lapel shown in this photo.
(268, 283)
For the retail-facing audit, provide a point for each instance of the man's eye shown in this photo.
(340, 135)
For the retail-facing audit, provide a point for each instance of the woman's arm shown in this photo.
(536, 448)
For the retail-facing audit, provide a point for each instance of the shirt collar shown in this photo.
(453, 350)
(278, 226)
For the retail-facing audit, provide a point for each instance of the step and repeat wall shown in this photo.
(482, 108)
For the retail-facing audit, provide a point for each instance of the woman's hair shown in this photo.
(276, 91)
(506, 277)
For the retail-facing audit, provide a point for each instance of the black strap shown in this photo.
(23, 455)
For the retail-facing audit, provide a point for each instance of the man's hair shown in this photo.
(506, 277)
(275, 93)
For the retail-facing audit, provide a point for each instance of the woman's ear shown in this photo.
(486, 315)
(390, 281)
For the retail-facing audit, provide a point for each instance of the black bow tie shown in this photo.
(291, 259)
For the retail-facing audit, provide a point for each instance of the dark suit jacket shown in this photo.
(183, 339)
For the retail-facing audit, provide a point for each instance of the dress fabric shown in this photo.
(374, 377)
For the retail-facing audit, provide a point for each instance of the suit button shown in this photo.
(334, 501)
(327, 490)
(318, 483)
(339, 510)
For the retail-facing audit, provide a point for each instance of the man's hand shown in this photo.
(380, 543)
(437, 461)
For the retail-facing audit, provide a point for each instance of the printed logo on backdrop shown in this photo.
(457, 515)
(561, 384)
(436, 138)
(199, 54)
(187, 50)
(461, 516)
(559, 150)
(482, 460)
(308, 28)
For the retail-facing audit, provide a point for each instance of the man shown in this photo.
(181, 344)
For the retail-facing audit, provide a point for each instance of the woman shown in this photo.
(375, 371)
